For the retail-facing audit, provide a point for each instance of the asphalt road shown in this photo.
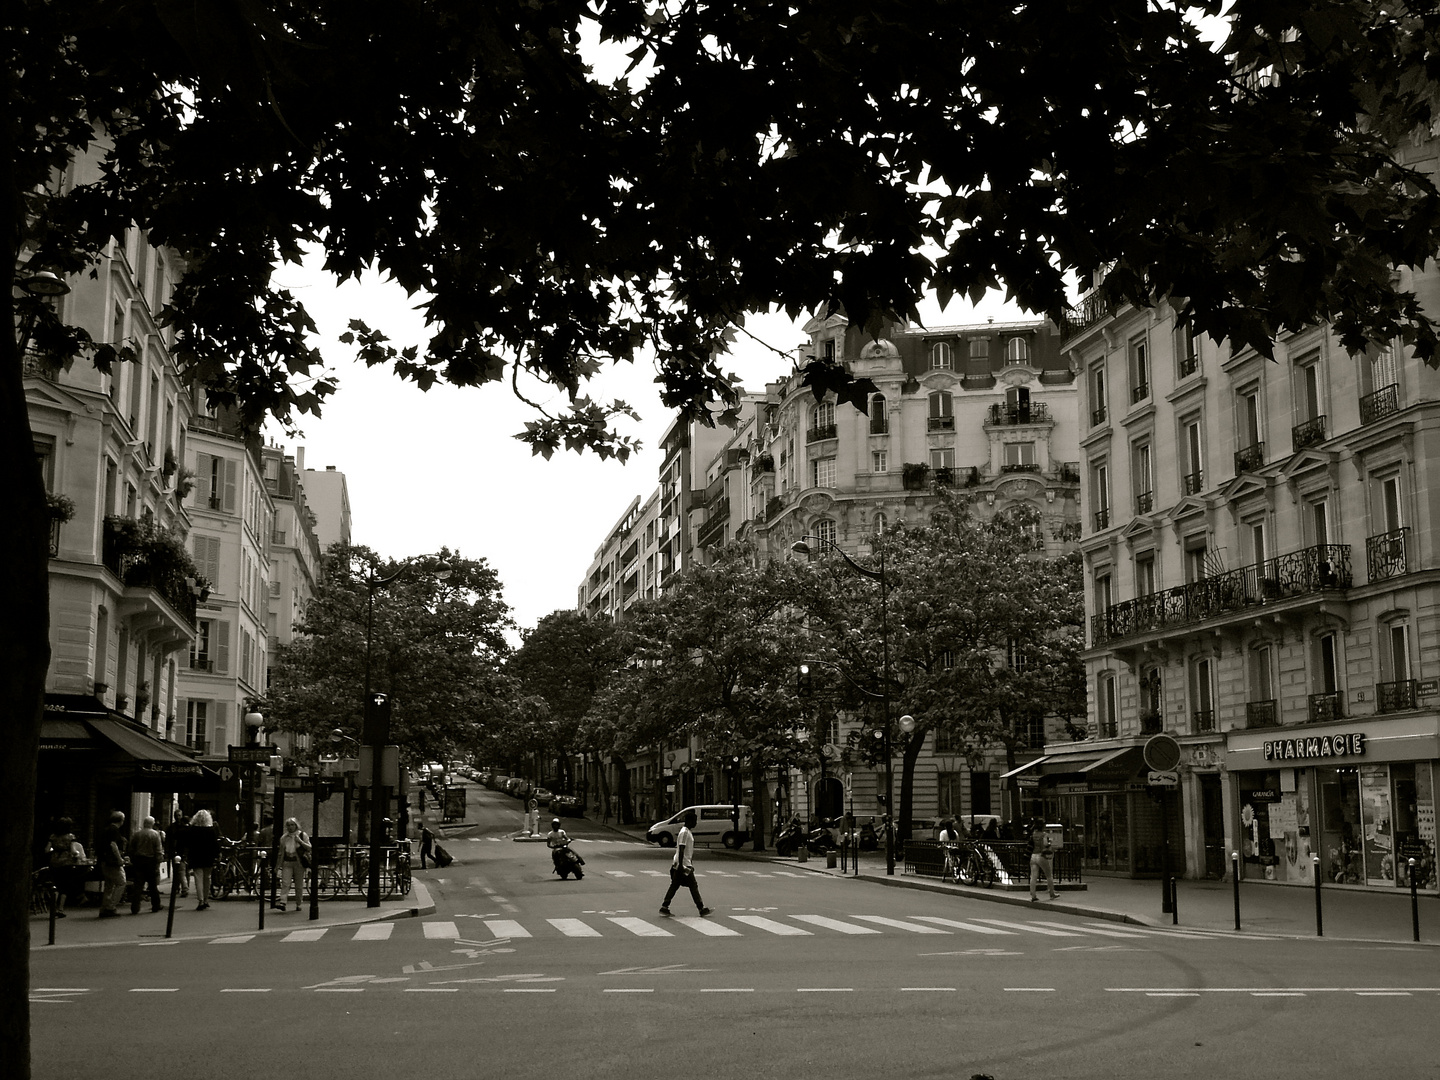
(518, 974)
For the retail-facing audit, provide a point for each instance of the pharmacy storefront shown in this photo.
(1360, 794)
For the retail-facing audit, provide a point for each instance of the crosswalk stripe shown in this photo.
(375, 931)
(441, 930)
(305, 935)
(574, 927)
(755, 873)
(958, 925)
(834, 924)
(1032, 928)
(655, 873)
(770, 926)
(1103, 931)
(706, 926)
(233, 939)
(505, 928)
(639, 927)
(619, 873)
(900, 924)
(1170, 933)
(791, 873)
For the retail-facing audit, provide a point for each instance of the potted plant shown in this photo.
(914, 475)
(61, 507)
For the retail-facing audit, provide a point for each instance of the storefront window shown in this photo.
(1414, 809)
(1378, 829)
(1341, 839)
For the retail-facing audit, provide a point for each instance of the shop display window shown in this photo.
(1374, 819)
(1275, 839)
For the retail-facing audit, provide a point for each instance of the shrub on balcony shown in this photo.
(61, 507)
(144, 542)
(915, 475)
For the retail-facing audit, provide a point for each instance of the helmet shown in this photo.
(555, 824)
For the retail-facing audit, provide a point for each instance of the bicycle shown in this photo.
(43, 894)
(970, 864)
(231, 874)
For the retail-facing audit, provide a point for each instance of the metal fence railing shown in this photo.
(1009, 862)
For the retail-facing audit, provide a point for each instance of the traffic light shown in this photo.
(805, 686)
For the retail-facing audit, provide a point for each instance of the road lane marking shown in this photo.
(627, 990)
(1172, 933)
(441, 930)
(770, 926)
(901, 924)
(1382, 993)
(727, 989)
(506, 928)
(154, 989)
(574, 927)
(639, 927)
(655, 873)
(1176, 993)
(60, 990)
(1276, 993)
(706, 926)
(378, 931)
(528, 990)
(1102, 931)
(958, 925)
(927, 989)
(755, 873)
(233, 939)
(1029, 989)
(834, 924)
(1032, 928)
(306, 935)
(245, 990)
(432, 989)
(339, 989)
(824, 989)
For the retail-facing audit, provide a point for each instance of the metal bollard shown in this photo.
(52, 898)
(174, 888)
(1174, 900)
(261, 857)
(1414, 899)
(1319, 919)
(1235, 877)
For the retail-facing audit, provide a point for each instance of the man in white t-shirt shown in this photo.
(682, 869)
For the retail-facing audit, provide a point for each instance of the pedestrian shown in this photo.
(202, 848)
(111, 853)
(175, 849)
(146, 849)
(1041, 859)
(682, 869)
(948, 839)
(66, 857)
(294, 859)
(427, 844)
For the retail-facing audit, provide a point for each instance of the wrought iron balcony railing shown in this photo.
(1262, 713)
(1202, 721)
(1151, 722)
(1145, 502)
(1140, 393)
(1076, 320)
(940, 423)
(944, 476)
(1189, 365)
(1327, 706)
(1102, 519)
(1308, 434)
(1396, 696)
(815, 434)
(1020, 466)
(1097, 416)
(1251, 457)
(1034, 413)
(1380, 404)
(1193, 483)
(1387, 555)
(1315, 569)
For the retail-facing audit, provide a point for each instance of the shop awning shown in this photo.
(159, 766)
(1022, 768)
(1125, 759)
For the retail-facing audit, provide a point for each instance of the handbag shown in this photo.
(305, 858)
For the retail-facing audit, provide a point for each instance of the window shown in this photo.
(1398, 639)
(823, 472)
(1196, 552)
(879, 523)
(879, 421)
(1390, 504)
(979, 349)
(1247, 427)
(1262, 677)
(879, 461)
(1015, 656)
(1145, 574)
(1318, 515)
(196, 722)
(1152, 700)
(1143, 477)
(942, 412)
(1192, 462)
(1202, 695)
(1307, 389)
(1019, 455)
(942, 457)
(1139, 370)
(1017, 351)
(1103, 594)
(1255, 531)
(1105, 717)
(946, 659)
(1098, 410)
(830, 349)
(940, 357)
(206, 550)
(1187, 350)
(822, 421)
(824, 530)
(1100, 494)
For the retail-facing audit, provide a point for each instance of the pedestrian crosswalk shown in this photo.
(738, 923)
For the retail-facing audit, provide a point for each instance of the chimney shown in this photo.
(300, 458)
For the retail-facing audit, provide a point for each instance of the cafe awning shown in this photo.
(1028, 765)
(159, 766)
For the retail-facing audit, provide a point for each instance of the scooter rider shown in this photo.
(556, 840)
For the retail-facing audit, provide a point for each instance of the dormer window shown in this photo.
(940, 359)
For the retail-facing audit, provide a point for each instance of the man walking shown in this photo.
(1041, 860)
(147, 849)
(682, 870)
(111, 854)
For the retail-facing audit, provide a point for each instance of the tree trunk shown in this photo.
(761, 796)
(602, 785)
(625, 814)
(24, 661)
(907, 781)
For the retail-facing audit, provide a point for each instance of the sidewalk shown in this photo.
(1285, 910)
(83, 927)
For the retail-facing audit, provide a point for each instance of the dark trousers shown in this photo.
(427, 849)
(145, 875)
(683, 879)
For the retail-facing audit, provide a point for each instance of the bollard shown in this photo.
(1414, 899)
(260, 856)
(1174, 900)
(804, 852)
(1319, 920)
(1235, 877)
(830, 860)
(174, 888)
(52, 897)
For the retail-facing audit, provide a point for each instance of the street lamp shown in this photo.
(800, 547)
(376, 713)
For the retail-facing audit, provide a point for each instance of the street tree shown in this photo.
(437, 648)
(552, 221)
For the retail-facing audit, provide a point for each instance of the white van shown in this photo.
(714, 823)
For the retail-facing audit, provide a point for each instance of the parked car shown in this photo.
(498, 782)
(714, 823)
(521, 789)
(542, 795)
(567, 805)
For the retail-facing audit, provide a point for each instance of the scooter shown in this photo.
(787, 840)
(822, 838)
(869, 841)
(567, 862)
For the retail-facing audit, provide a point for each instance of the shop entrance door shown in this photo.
(1212, 825)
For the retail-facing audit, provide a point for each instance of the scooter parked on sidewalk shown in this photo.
(787, 840)
(822, 837)
(869, 841)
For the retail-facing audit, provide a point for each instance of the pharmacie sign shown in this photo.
(1344, 744)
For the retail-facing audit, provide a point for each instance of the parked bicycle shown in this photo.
(239, 869)
(43, 896)
(970, 863)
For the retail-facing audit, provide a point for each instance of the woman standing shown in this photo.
(67, 862)
(294, 854)
(202, 848)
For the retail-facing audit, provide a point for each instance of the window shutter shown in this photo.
(232, 469)
(202, 480)
(220, 634)
(218, 734)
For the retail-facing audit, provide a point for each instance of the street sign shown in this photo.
(1163, 778)
(1162, 752)
(295, 783)
(255, 755)
(389, 767)
(1027, 782)
(226, 773)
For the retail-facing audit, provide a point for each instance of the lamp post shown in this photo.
(376, 733)
(253, 721)
(800, 547)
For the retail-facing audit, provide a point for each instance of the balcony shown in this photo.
(1102, 521)
(1151, 722)
(1097, 416)
(714, 527)
(1306, 572)
(817, 434)
(1262, 713)
(1387, 555)
(1326, 707)
(1189, 365)
(1202, 721)
(149, 562)
(1396, 696)
(1193, 483)
(940, 423)
(944, 477)
(1140, 393)
(1144, 502)
(1250, 458)
(201, 663)
(1020, 466)
(1309, 433)
(1034, 413)
(1380, 404)
(1093, 309)
(763, 464)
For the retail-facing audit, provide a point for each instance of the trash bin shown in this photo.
(830, 859)
(804, 851)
